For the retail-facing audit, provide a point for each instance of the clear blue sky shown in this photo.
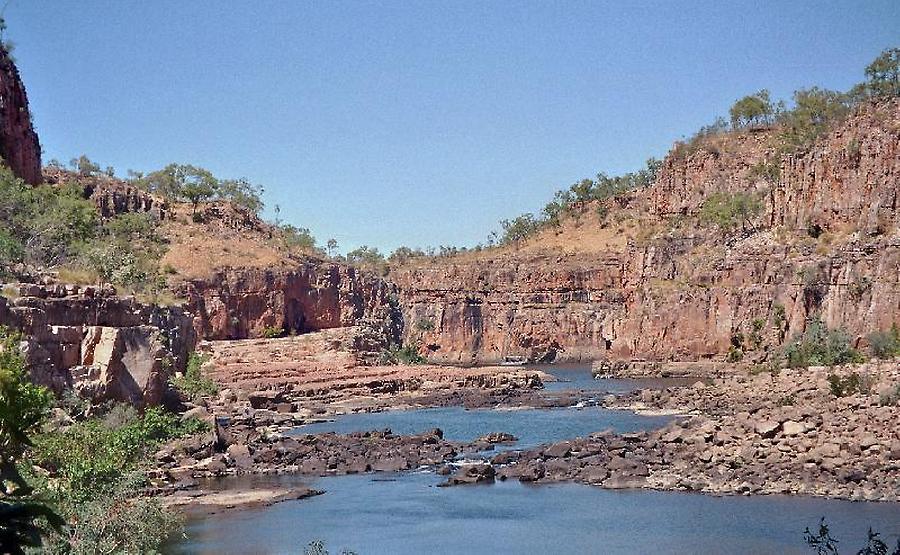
(416, 122)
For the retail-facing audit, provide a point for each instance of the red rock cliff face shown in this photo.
(19, 144)
(683, 295)
(240, 303)
(103, 346)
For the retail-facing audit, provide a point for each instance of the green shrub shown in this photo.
(735, 354)
(884, 73)
(769, 171)
(848, 385)
(885, 344)
(815, 112)
(185, 182)
(729, 210)
(123, 521)
(88, 458)
(406, 354)
(271, 332)
(23, 407)
(193, 384)
(820, 346)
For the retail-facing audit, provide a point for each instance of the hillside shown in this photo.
(650, 280)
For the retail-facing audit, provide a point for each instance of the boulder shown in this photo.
(767, 428)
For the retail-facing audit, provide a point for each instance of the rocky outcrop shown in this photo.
(103, 346)
(111, 196)
(683, 292)
(19, 146)
(316, 295)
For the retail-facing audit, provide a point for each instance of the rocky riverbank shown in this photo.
(765, 434)
(787, 433)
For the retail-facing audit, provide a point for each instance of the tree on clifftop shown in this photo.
(752, 110)
(884, 73)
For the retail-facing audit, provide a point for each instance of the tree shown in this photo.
(519, 228)
(23, 407)
(365, 256)
(815, 110)
(727, 210)
(332, 246)
(197, 192)
(752, 110)
(84, 166)
(884, 73)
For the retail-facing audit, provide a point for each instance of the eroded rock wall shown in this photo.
(104, 346)
(316, 295)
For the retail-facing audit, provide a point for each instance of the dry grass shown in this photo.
(10, 292)
(78, 275)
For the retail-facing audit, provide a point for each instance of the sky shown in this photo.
(418, 123)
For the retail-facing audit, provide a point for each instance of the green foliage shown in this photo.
(735, 354)
(815, 111)
(402, 255)
(518, 229)
(823, 543)
(572, 201)
(366, 256)
(271, 332)
(699, 140)
(299, 238)
(885, 344)
(42, 225)
(194, 184)
(193, 384)
(766, 170)
(89, 458)
(84, 166)
(126, 252)
(123, 521)
(728, 210)
(820, 346)
(406, 354)
(752, 111)
(884, 73)
(841, 387)
(23, 407)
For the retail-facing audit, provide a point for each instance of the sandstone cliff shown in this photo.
(677, 291)
(19, 146)
(102, 345)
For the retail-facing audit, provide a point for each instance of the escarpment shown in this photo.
(825, 244)
(314, 295)
(19, 146)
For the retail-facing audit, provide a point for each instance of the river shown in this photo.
(408, 513)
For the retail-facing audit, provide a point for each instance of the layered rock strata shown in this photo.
(826, 244)
(104, 346)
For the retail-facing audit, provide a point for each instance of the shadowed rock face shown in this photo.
(683, 293)
(241, 303)
(19, 144)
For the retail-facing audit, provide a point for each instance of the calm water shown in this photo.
(407, 513)
(410, 515)
(531, 426)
